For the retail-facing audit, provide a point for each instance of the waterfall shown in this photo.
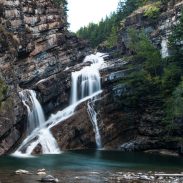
(85, 85)
(87, 81)
(35, 127)
(93, 117)
(35, 112)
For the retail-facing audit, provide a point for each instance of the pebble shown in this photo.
(145, 177)
(49, 178)
(41, 173)
(20, 171)
(41, 170)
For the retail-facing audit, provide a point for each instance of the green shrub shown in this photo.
(3, 91)
(62, 3)
(176, 42)
(152, 11)
(145, 51)
(170, 78)
(112, 39)
(174, 109)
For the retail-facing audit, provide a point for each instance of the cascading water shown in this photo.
(35, 112)
(36, 121)
(87, 81)
(85, 85)
(93, 116)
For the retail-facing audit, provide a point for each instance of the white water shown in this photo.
(87, 81)
(35, 127)
(35, 112)
(85, 85)
(93, 116)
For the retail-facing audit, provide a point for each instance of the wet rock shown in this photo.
(41, 171)
(76, 132)
(145, 177)
(49, 178)
(20, 171)
(163, 152)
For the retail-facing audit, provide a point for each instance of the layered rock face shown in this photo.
(148, 122)
(12, 113)
(36, 48)
(41, 56)
(157, 29)
(44, 45)
(116, 126)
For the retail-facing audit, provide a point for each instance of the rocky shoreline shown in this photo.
(67, 176)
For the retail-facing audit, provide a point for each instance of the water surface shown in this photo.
(68, 165)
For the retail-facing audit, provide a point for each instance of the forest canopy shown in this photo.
(106, 30)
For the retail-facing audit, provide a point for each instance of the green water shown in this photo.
(86, 160)
(86, 166)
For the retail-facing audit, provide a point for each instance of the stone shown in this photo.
(75, 132)
(41, 170)
(20, 171)
(49, 178)
(41, 173)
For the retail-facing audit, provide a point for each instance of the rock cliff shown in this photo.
(37, 52)
(122, 125)
(158, 29)
(35, 46)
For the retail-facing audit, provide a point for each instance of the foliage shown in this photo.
(3, 91)
(104, 31)
(174, 108)
(170, 78)
(97, 33)
(112, 39)
(163, 77)
(141, 85)
(177, 102)
(145, 51)
(152, 10)
(176, 42)
(125, 8)
(107, 28)
(62, 3)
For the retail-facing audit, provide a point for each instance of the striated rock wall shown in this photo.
(36, 48)
(12, 113)
(158, 29)
(41, 56)
(44, 46)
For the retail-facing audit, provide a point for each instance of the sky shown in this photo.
(82, 12)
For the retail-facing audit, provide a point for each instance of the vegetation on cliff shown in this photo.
(107, 28)
(3, 91)
(62, 3)
(158, 77)
(162, 76)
